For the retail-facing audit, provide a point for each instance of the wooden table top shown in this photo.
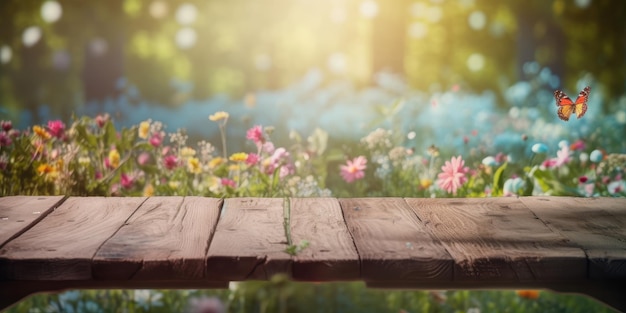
(386, 242)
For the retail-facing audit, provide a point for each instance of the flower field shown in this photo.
(415, 146)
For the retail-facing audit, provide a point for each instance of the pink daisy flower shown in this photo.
(354, 169)
(453, 175)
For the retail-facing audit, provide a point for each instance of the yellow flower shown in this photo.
(41, 132)
(148, 191)
(144, 129)
(45, 169)
(425, 183)
(50, 171)
(114, 158)
(187, 152)
(174, 184)
(218, 116)
(194, 166)
(215, 162)
(239, 157)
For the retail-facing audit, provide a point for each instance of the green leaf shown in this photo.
(110, 135)
(498, 182)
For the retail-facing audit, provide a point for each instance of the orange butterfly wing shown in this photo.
(567, 106)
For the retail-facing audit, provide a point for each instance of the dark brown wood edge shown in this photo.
(35, 221)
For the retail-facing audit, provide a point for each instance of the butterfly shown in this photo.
(567, 106)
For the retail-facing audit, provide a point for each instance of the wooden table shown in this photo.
(564, 244)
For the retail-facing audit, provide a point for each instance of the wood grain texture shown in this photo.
(499, 239)
(597, 225)
(19, 213)
(392, 243)
(331, 254)
(249, 241)
(62, 245)
(165, 239)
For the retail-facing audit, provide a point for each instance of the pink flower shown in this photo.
(549, 163)
(562, 156)
(5, 139)
(56, 128)
(228, 182)
(4, 162)
(156, 140)
(578, 145)
(143, 158)
(453, 175)
(252, 159)
(354, 169)
(256, 135)
(170, 162)
(127, 181)
(101, 119)
(6, 125)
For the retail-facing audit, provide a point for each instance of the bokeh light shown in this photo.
(51, 11)
(338, 15)
(475, 62)
(31, 36)
(61, 60)
(186, 38)
(337, 63)
(5, 54)
(158, 9)
(98, 46)
(582, 3)
(477, 20)
(186, 14)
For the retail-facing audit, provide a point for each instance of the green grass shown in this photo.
(282, 295)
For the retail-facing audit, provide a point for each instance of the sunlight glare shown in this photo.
(186, 14)
(262, 62)
(418, 30)
(369, 8)
(582, 3)
(31, 36)
(51, 11)
(338, 15)
(434, 14)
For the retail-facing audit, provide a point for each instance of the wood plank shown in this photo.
(331, 254)
(392, 243)
(598, 225)
(61, 246)
(499, 239)
(165, 239)
(19, 213)
(249, 241)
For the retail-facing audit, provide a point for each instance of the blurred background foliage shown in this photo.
(64, 53)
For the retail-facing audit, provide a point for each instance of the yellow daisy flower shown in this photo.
(218, 116)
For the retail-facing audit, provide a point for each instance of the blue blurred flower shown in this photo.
(596, 156)
(513, 186)
(490, 161)
(539, 148)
